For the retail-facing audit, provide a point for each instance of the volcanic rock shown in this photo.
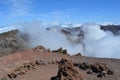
(12, 76)
(40, 62)
(98, 67)
(76, 64)
(102, 74)
(84, 66)
(67, 72)
(110, 72)
(39, 49)
(78, 54)
(60, 51)
(115, 29)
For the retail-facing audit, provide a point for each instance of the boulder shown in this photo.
(110, 72)
(84, 66)
(98, 67)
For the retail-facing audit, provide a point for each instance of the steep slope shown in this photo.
(12, 41)
(115, 29)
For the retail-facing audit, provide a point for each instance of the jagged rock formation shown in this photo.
(12, 41)
(67, 72)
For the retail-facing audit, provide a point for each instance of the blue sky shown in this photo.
(76, 11)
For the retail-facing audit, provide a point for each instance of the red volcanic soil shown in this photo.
(11, 62)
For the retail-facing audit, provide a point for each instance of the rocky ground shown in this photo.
(43, 64)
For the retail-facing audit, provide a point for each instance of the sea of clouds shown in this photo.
(96, 42)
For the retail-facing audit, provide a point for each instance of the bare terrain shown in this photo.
(49, 69)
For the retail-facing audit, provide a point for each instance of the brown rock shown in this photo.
(78, 54)
(39, 49)
(67, 72)
(21, 70)
(98, 67)
(76, 64)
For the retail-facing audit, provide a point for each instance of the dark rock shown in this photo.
(84, 66)
(100, 75)
(78, 54)
(39, 62)
(110, 72)
(12, 76)
(115, 29)
(76, 64)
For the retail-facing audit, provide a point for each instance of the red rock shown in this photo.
(67, 72)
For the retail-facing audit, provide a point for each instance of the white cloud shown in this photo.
(5, 29)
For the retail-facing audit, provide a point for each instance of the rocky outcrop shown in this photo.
(11, 42)
(115, 29)
(67, 72)
(41, 49)
(60, 51)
